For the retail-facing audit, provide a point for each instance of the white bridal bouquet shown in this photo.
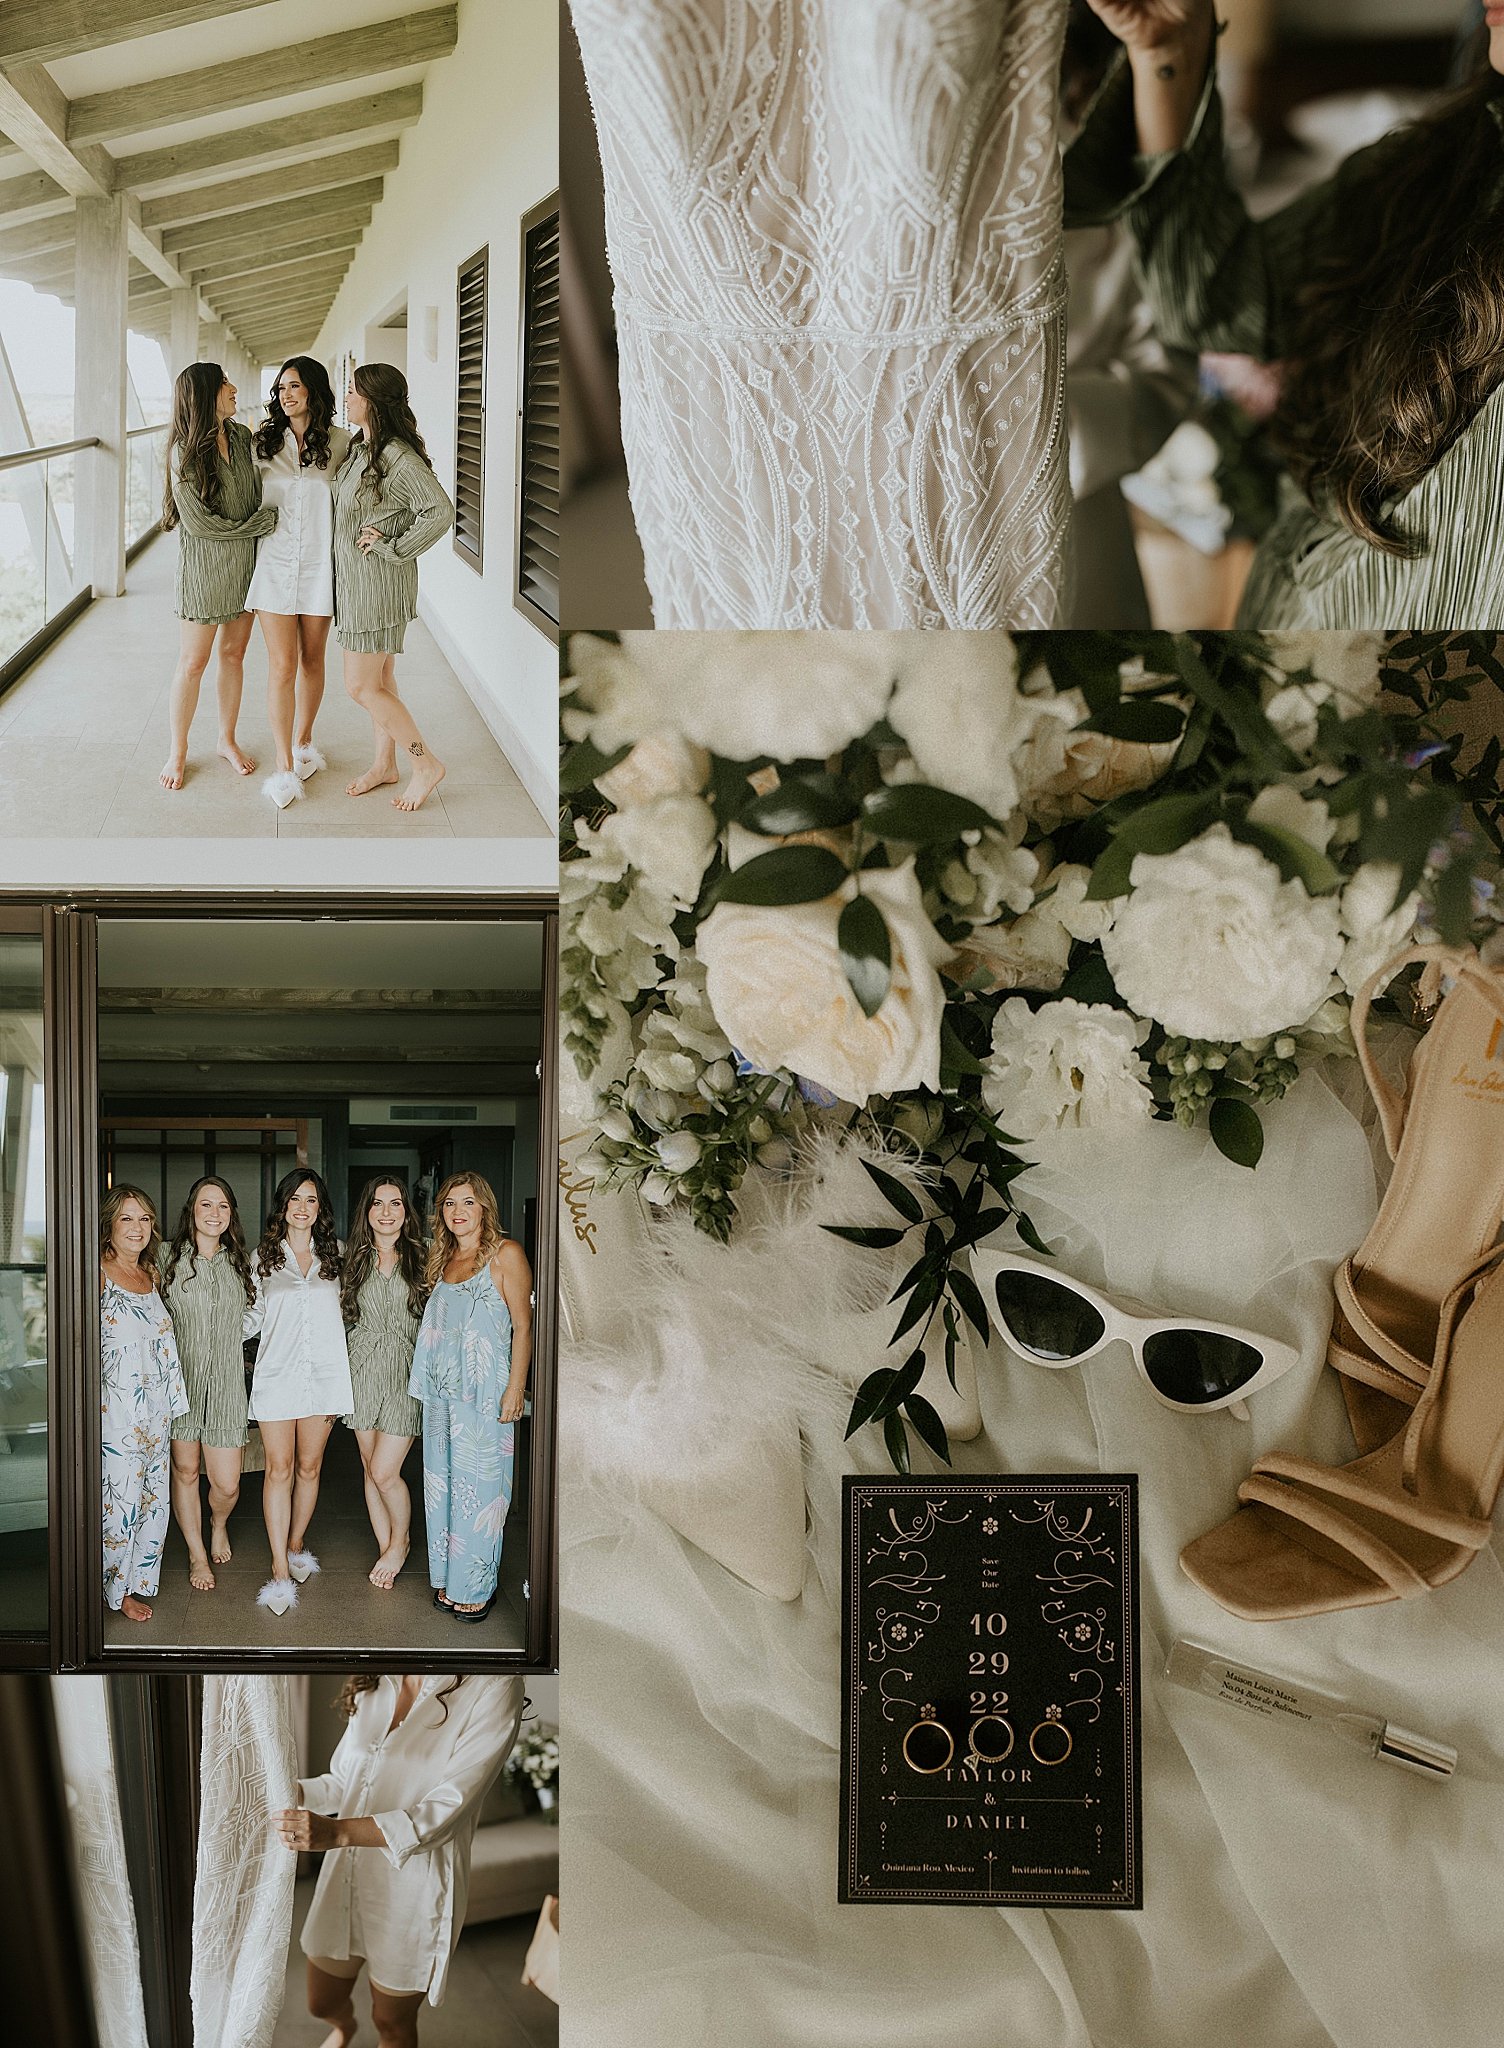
(975, 889)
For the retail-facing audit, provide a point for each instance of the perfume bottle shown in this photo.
(1287, 1699)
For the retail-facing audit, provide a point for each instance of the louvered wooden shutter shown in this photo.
(470, 413)
(537, 585)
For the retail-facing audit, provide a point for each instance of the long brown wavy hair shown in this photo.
(325, 1237)
(359, 1261)
(384, 389)
(194, 437)
(185, 1243)
(274, 429)
(110, 1208)
(1398, 331)
(367, 1681)
(444, 1244)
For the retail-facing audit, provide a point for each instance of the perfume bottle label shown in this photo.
(990, 1692)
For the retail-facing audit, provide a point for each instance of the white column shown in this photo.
(214, 344)
(183, 347)
(99, 383)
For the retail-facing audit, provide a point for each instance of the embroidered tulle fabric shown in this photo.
(834, 230)
(105, 1907)
(243, 1887)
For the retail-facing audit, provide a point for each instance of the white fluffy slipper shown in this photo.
(307, 761)
(283, 787)
(302, 1564)
(278, 1595)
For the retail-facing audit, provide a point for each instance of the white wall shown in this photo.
(485, 150)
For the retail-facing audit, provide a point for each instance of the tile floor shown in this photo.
(337, 1609)
(84, 734)
(486, 2005)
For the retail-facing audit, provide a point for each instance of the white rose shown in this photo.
(1214, 945)
(1064, 771)
(958, 708)
(663, 764)
(1034, 951)
(1066, 1065)
(779, 992)
(669, 841)
(1288, 811)
(608, 698)
(1067, 904)
(795, 696)
(1344, 669)
(1376, 926)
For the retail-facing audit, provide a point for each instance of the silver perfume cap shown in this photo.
(1416, 1752)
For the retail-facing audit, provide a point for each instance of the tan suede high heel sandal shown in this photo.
(1442, 1207)
(1396, 1523)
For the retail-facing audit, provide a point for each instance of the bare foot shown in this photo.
(200, 1578)
(441, 1598)
(176, 769)
(219, 1543)
(384, 1571)
(240, 762)
(426, 776)
(134, 1609)
(373, 778)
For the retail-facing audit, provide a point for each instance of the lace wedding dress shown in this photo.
(106, 1909)
(834, 228)
(243, 1887)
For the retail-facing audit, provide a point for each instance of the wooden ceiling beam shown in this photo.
(289, 182)
(277, 231)
(40, 31)
(276, 256)
(218, 89)
(269, 142)
(197, 240)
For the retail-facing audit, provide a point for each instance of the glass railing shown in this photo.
(37, 578)
(145, 448)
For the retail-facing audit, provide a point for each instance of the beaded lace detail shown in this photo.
(834, 228)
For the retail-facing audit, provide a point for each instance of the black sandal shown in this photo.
(477, 1614)
(440, 1601)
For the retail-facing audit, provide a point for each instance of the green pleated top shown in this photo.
(207, 1303)
(217, 550)
(381, 1345)
(379, 590)
(1217, 279)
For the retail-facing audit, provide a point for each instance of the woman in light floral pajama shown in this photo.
(142, 1390)
(470, 1373)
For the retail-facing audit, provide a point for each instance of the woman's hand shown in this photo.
(301, 1829)
(1151, 24)
(512, 1401)
(367, 538)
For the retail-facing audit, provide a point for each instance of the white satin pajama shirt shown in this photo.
(303, 1365)
(294, 572)
(402, 1907)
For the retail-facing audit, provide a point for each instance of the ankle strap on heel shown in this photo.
(1463, 964)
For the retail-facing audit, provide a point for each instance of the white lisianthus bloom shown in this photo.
(1213, 944)
(994, 874)
(663, 764)
(1065, 771)
(1288, 811)
(1066, 1065)
(795, 696)
(775, 982)
(1376, 926)
(668, 841)
(1034, 950)
(679, 1151)
(958, 708)
(1344, 669)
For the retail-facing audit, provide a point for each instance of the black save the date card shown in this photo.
(990, 1692)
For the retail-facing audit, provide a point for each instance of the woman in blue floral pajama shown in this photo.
(470, 1373)
(142, 1390)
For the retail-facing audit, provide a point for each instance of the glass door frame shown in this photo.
(68, 923)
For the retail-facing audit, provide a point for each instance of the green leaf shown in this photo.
(1157, 827)
(1454, 903)
(869, 1397)
(1030, 1235)
(789, 874)
(954, 1056)
(1145, 720)
(912, 1278)
(1239, 711)
(929, 1426)
(870, 1238)
(905, 1380)
(969, 1295)
(1296, 858)
(903, 1199)
(896, 1438)
(920, 816)
(866, 953)
(1236, 1131)
(921, 1301)
(802, 803)
(583, 763)
(1090, 982)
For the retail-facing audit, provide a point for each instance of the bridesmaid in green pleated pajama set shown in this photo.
(382, 1292)
(207, 1285)
(213, 493)
(388, 507)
